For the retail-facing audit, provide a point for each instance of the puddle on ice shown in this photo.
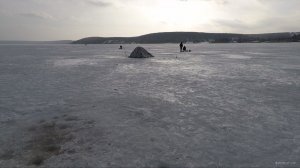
(167, 53)
(255, 53)
(166, 61)
(233, 56)
(165, 96)
(108, 56)
(210, 52)
(74, 62)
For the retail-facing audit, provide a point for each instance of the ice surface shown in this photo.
(222, 105)
(74, 62)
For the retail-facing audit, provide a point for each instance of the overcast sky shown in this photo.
(75, 19)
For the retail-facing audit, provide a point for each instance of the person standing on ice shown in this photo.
(181, 46)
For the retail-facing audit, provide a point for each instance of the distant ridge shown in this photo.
(194, 37)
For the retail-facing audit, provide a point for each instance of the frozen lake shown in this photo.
(222, 105)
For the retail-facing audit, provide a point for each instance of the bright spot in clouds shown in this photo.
(181, 14)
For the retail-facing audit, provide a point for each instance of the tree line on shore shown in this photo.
(193, 37)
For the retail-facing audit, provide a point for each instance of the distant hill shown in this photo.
(194, 37)
(37, 42)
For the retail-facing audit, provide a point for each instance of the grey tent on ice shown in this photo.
(140, 52)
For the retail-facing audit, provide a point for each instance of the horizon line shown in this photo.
(147, 34)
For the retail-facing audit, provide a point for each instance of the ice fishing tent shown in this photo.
(140, 52)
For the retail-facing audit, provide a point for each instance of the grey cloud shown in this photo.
(272, 1)
(232, 24)
(99, 3)
(223, 2)
(37, 15)
(283, 5)
(220, 2)
(278, 23)
(3, 12)
(263, 25)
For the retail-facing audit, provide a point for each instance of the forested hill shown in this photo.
(194, 37)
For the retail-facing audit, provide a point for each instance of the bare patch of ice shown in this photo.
(166, 61)
(74, 62)
(235, 56)
(255, 53)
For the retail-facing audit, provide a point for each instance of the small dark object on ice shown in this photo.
(185, 50)
(140, 52)
(37, 160)
(121, 47)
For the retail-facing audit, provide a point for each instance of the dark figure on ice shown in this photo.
(181, 46)
(184, 49)
(121, 47)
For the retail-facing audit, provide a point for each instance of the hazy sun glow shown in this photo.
(181, 15)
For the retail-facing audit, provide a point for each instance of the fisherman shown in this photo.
(121, 47)
(181, 46)
(184, 49)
